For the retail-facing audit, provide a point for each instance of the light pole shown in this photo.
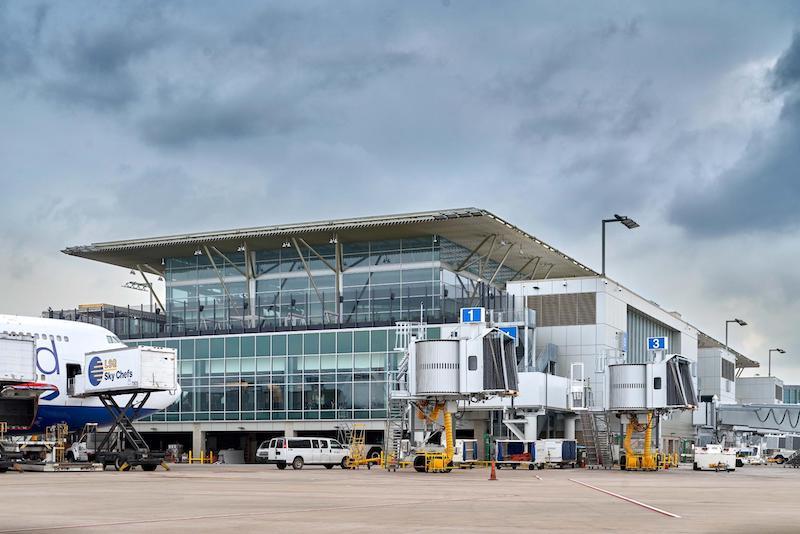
(626, 221)
(729, 321)
(769, 365)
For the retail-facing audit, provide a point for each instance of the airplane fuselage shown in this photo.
(61, 347)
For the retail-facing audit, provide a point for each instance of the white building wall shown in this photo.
(758, 390)
(709, 374)
(595, 344)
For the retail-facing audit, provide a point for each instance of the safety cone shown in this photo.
(493, 473)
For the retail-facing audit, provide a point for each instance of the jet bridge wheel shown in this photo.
(119, 462)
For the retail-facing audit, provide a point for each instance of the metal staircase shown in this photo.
(793, 460)
(595, 436)
(399, 406)
(395, 430)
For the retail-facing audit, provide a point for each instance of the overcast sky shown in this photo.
(124, 120)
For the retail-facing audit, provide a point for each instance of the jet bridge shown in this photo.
(478, 361)
(649, 390)
(759, 418)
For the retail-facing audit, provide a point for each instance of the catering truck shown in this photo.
(123, 379)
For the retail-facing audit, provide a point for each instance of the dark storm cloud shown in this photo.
(15, 52)
(220, 119)
(761, 191)
(94, 66)
(786, 74)
(586, 115)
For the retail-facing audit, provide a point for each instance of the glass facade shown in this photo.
(284, 376)
(791, 394)
(375, 283)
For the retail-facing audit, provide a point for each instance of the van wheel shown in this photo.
(298, 463)
(70, 457)
(345, 463)
(694, 466)
(328, 466)
(281, 466)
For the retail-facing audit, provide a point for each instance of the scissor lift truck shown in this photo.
(123, 446)
(133, 374)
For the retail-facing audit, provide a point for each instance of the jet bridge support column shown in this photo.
(532, 425)
(198, 439)
(569, 426)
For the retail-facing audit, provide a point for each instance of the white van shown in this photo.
(298, 452)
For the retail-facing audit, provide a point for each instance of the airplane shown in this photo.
(60, 351)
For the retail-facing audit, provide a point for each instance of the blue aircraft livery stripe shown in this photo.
(76, 416)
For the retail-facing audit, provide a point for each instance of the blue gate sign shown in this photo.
(657, 343)
(510, 330)
(472, 315)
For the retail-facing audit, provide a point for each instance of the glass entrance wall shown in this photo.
(294, 376)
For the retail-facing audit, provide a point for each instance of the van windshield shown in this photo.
(335, 444)
(264, 445)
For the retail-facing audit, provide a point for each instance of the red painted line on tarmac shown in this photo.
(624, 498)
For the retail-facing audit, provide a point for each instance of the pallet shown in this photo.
(65, 467)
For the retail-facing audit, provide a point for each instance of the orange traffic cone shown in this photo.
(493, 473)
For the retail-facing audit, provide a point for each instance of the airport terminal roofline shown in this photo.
(473, 228)
(704, 341)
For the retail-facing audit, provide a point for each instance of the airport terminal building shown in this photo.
(291, 329)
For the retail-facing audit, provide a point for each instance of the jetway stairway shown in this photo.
(592, 431)
(395, 428)
(793, 460)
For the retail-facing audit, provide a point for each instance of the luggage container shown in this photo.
(466, 452)
(514, 453)
(556, 452)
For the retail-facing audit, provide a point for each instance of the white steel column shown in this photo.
(569, 426)
(531, 426)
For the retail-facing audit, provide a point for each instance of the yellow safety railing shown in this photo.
(202, 459)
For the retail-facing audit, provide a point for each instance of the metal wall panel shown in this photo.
(641, 327)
